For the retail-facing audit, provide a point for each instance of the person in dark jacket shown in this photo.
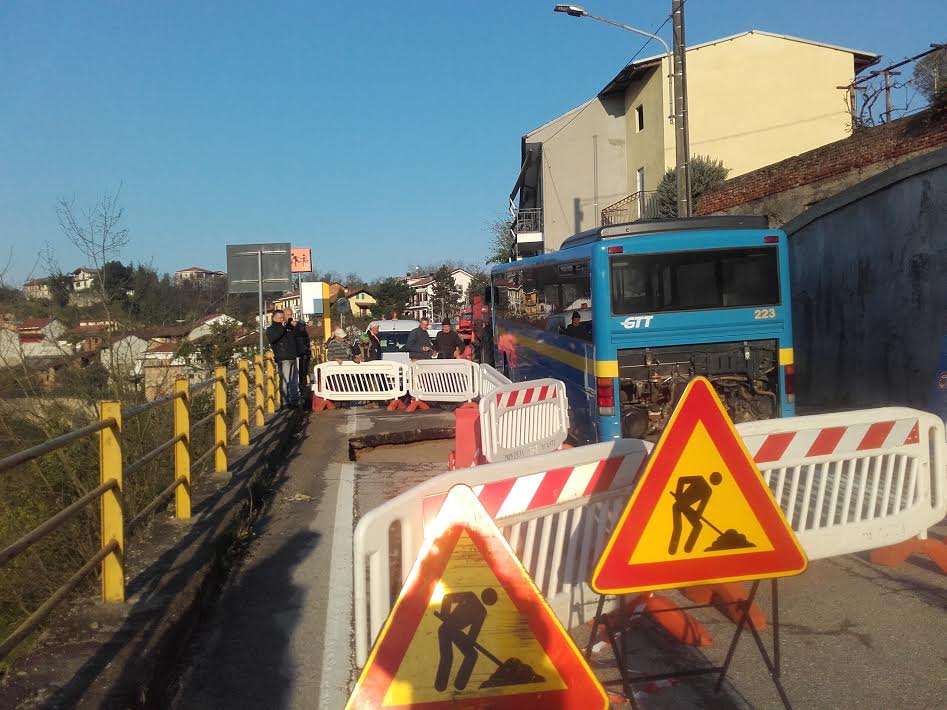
(369, 346)
(419, 345)
(448, 344)
(304, 351)
(283, 342)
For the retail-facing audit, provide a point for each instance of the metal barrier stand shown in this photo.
(622, 655)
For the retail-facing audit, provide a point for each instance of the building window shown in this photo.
(639, 117)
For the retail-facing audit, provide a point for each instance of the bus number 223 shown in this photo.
(764, 313)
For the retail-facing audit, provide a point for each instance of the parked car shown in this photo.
(393, 336)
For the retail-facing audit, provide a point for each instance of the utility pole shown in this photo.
(684, 208)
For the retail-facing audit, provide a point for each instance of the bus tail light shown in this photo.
(789, 380)
(616, 250)
(771, 239)
(605, 388)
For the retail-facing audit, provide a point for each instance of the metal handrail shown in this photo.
(55, 522)
(135, 465)
(208, 418)
(142, 408)
(47, 447)
(204, 384)
(113, 471)
(155, 502)
(36, 618)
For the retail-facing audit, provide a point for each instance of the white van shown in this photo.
(393, 335)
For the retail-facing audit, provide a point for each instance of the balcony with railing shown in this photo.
(638, 205)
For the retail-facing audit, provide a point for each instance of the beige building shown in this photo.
(754, 98)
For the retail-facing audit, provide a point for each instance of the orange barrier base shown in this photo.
(727, 593)
(319, 404)
(678, 623)
(396, 404)
(417, 404)
(681, 625)
(894, 555)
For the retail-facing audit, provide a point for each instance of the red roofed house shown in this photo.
(39, 337)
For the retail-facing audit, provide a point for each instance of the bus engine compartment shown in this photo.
(651, 381)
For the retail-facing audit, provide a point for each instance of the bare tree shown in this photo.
(97, 232)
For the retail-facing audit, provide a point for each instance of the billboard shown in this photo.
(250, 264)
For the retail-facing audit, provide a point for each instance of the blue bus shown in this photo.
(627, 314)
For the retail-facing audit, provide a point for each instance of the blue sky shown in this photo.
(381, 134)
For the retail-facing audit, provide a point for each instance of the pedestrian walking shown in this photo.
(419, 345)
(282, 340)
(448, 344)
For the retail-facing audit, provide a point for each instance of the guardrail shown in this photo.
(846, 482)
(114, 473)
(444, 380)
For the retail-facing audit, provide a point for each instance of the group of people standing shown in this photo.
(446, 345)
(291, 345)
(292, 350)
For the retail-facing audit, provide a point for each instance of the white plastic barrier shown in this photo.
(350, 381)
(524, 419)
(555, 510)
(854, 481)
(490, 379)
(847, 482)
(444, 380)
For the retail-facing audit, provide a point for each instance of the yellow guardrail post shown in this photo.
(258, 384)
(270, 394)
(182, 454)
(112, 520)
(243, 401)
(220, 421)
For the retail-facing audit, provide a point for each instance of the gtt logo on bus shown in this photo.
(632, 322)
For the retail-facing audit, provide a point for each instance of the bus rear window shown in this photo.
(686, 281)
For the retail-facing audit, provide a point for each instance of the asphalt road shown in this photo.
(280, 636)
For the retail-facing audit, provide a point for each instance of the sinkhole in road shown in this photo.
(429, 445)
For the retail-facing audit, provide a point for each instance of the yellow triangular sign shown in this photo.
(701, 512)
(470, 629)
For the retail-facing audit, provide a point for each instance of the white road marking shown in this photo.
(337, 645)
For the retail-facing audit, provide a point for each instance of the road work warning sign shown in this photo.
(471, 630)
(701, 512)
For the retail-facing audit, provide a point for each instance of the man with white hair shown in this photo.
(338, 349)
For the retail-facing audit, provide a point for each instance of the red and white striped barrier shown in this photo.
(853, 481)
(524, 419)
(833, 440)
(513, 496)
(846, 482)
(588, 484)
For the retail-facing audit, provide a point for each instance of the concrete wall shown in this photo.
(870, 294)
(757, 99)
(568, 179)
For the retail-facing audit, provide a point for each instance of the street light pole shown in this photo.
(682, 135)
(677, 94)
